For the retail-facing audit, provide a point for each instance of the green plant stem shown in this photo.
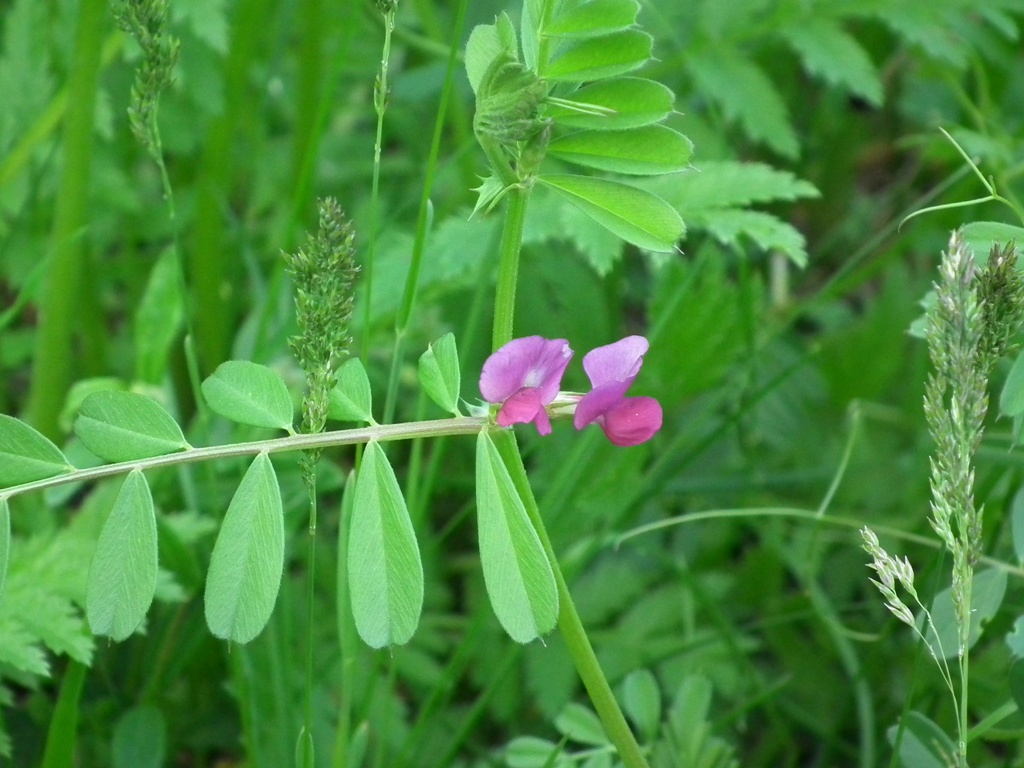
(305, 758)
(508, 266)
(380, 102)
(569, 623)
(462, 425)
(62, 300)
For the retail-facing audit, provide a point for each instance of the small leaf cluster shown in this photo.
(570, 95)
(146, 21)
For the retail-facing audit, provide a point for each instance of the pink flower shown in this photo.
(611, 369)
(524, 376)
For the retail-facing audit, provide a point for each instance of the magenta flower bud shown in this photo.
(611, 369)
(524, 377)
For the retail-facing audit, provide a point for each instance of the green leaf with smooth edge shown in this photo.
(5, 542)
(596, 58)
(517, 574)
(641, 698)
(647, 151)
(481, 49)
(592, 18)
(1015, 639)
(26, 455)
(125, 426)
(350, 400)
(122, 577)
(637, 101)
(248, 558)
(532, 752)
(439, 373)
(982, 235)
(987, 591)
(385, 574)
(1017, 524)
(923, 744)
(249, 393)
(140, 738)
(581, 725)
(158, 319)
(1011, 399)
(637, 216)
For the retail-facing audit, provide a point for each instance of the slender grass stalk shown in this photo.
(423, 217)
(62, 300)
(380, 103)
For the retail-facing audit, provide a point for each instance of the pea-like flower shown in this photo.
(611, 369)
(524, 376)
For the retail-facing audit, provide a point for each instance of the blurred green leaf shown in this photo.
(517, 573)
(158, 319)
(531, 752)
(140, 738)
(581, 725)
(645, 151)
(1011, 399)
(351, 400)
(1016, 679)
(5, 542)
(249, 393)
(248, 558)
(26, 455)
(638, 217)
(1017, 524)
(982, 235)
(987, 591)
(636, 101)
(834, 55)
(592, 18)
(1015, 639)
(124, 426)
(923, 744)
(122, 578)
(642, 700)
(439, 373)
(385, 574)
(596, 58)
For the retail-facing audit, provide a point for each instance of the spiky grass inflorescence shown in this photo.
(976, 316)
(146, 21)
(324, 273)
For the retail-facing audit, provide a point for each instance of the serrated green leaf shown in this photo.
(5, 542)
(729, 184)
(641, 698)
(26, 455)
(517, 574)
(596, 58)
(767, 231)
(351, 400)
(581, 725)
(124, 426)
(746, 95)
(439, 373)
(1011, 399)
(636, 101)
(594, 17)
(637, 216)
(122, 578)
(831, 53)
(987, 590)
(248, 558)
(385, 574)
(249, 393)
(647, 151)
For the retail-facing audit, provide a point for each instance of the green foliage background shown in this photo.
(814, 125)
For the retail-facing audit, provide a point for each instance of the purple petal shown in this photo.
(632, 421)
(532, 362)
(521, 408)
(620, 361)
(598, 401)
